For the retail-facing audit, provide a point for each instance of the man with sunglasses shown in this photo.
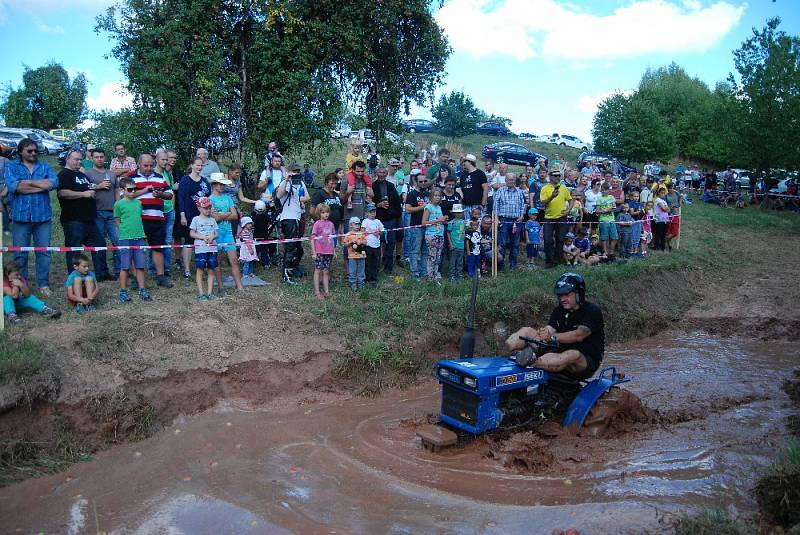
(29, 182)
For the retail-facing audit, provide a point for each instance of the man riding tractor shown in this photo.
(575, 327)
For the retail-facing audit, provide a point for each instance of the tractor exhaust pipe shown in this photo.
(468, 338)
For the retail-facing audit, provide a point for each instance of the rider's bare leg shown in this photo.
(570, 361)
(514, 343)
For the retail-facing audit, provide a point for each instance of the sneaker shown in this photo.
(144, 295)
(13, 319)
(203, 297)
(287, 276)
(319, 296)
(163, 281)
(124, 297)
(186, 275)
(354, 287)
(80, 308)
(327, 295)
(45, 291)
(91, 307)
(51, 313)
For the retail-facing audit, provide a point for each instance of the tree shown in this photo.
(47, 99)
(127, 126)
(258, 70)
(768, 64)
(608, 124)
(456, 114)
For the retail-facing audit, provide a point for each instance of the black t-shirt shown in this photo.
(333, 202)
(588, 315)
(83, 209)
(386, 191)
(414, 198)
(472, 186)
(447, 203)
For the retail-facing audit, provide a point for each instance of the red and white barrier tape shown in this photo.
(64, 249)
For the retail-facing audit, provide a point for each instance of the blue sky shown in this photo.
(543, 63)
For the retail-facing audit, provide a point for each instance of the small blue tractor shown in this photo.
(483, 394)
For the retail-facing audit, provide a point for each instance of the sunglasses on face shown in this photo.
(130, 189)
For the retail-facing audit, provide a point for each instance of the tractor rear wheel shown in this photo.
(616, 405)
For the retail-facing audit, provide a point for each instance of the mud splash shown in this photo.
(356, 466)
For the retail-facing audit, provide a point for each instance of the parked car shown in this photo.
(20, 133)
(8, 147)
(341, 131)
(53, 145)
(418, 125)
(585, 156)
(568, 141)
(367, 139)
(63, 134)
(492, 128)
(512, 153)
(527, 136)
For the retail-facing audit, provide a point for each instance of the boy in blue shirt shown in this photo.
(82, 288)
(456, 233)
(533, 230)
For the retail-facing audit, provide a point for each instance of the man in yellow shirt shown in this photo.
(555, 198)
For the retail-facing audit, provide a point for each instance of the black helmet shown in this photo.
(571, 282)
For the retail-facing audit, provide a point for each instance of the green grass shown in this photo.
(778, 490)
(22, 459)
(19, 358)
(713, 522)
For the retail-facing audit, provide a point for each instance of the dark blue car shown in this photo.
(418, 125)
(492, 128)
(512, 153)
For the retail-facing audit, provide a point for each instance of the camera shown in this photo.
(297, 180)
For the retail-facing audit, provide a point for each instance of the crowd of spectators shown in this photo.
(433, 217)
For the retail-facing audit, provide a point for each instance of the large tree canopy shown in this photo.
(743, 122)
(47, 99)
(249, 71)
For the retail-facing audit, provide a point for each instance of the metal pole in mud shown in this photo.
(494, 244)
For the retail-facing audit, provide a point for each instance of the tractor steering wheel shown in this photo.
(533, 350)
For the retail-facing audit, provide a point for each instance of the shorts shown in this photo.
(131, 257)
(84, 293)
(156, 232)
(205, 260)
(225, 236)
(532, 250)
(608, 231)
(674, 225)
(591, 367)
(323, 262)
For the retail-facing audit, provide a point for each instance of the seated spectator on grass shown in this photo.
(17, 296)
(569, 252)
(82, 288)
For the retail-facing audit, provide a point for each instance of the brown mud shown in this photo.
(356, 466)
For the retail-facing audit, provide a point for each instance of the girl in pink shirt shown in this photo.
(322, 249)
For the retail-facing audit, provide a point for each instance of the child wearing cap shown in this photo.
(247, 250)
(224, 212)
(128, 217)
(456, 232)
(322, 249)
(533, 231)
(569, 253)
(204, 230)
(355, 242)
(373, 228)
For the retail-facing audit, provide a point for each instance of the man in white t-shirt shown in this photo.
(292, 195)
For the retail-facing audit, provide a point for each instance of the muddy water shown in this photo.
(356, 467)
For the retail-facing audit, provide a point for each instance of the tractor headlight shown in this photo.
(444, 373)
(470, 382)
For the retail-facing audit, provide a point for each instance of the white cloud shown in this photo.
(523, 29)
(45, 28)
(112, 96)
(589, 103)
(91, 7)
